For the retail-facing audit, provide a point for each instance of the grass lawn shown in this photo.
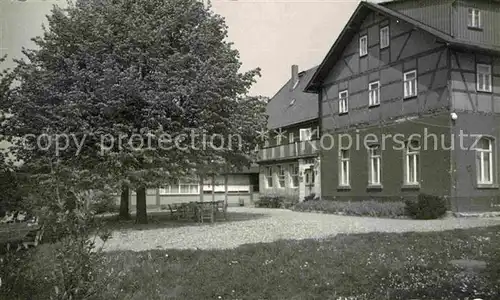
(364, 266)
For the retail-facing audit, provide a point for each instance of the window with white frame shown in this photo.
(294, 175)
(484, 161)
(343, 102)
(181, 187)
(344, 167)
(188, 187)
(290, 137)
(363, 45)
(384, 37)
(374, 165)
(412, 153)
(410, 84)
(474, 18)
(269, 177)
(374, 93)
(281, 176)
(483, 78)
(305, 134)
(279, 137)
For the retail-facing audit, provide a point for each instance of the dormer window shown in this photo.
(363, 45)
(474, 18)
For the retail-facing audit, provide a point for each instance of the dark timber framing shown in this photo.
(446, 83)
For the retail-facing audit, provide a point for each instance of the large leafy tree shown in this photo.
(111, 75)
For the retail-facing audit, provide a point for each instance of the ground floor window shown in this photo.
(181, 187)
(344, 167)
(294, 175)
(484, 161)
(374, 165)
(281, 176)
(412, 162)
(269, 177)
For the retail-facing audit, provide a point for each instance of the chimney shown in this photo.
(295, 75)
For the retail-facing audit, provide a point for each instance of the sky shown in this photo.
(269, 34)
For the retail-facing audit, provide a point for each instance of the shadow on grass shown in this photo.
(158, 220)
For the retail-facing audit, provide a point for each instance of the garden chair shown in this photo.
(221, 208)
(205, 210)
(174, 211)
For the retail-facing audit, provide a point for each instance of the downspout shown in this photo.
(320, 133)
(452, 18)
(453, 154)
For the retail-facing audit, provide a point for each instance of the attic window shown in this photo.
(474, 18)
(292, 102)
(363, 45)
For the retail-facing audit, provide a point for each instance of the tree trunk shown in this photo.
(124, 200)
(141, 216)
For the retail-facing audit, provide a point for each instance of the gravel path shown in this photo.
(274, 225)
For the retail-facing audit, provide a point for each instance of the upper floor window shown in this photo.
(374, 93)
(474, 18)
(410, 84)
(269, 177)
(343, 102)
(483, 78)
(290, 138)
(279, 137)
(384, 37)
(412, 152)
(484, 161)
(344, 167)
(305, 134)
(374, 165)
(363, 45)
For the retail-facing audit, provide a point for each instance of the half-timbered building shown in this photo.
(409, 103)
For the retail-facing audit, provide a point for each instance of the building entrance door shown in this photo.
(309, 180)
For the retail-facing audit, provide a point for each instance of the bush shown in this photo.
(105, 205)
(369, 208)
(271, 201)
(290, 201)
(426, 207)
(64, 270)
(310, 197)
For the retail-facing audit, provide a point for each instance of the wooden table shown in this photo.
(182, 211)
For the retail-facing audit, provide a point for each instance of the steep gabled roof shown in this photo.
(352, 26)
(292, 106)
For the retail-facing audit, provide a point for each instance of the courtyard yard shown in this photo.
(259, 225)
(281, 254)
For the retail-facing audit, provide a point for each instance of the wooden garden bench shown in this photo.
(20, 235)
(20, 231)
